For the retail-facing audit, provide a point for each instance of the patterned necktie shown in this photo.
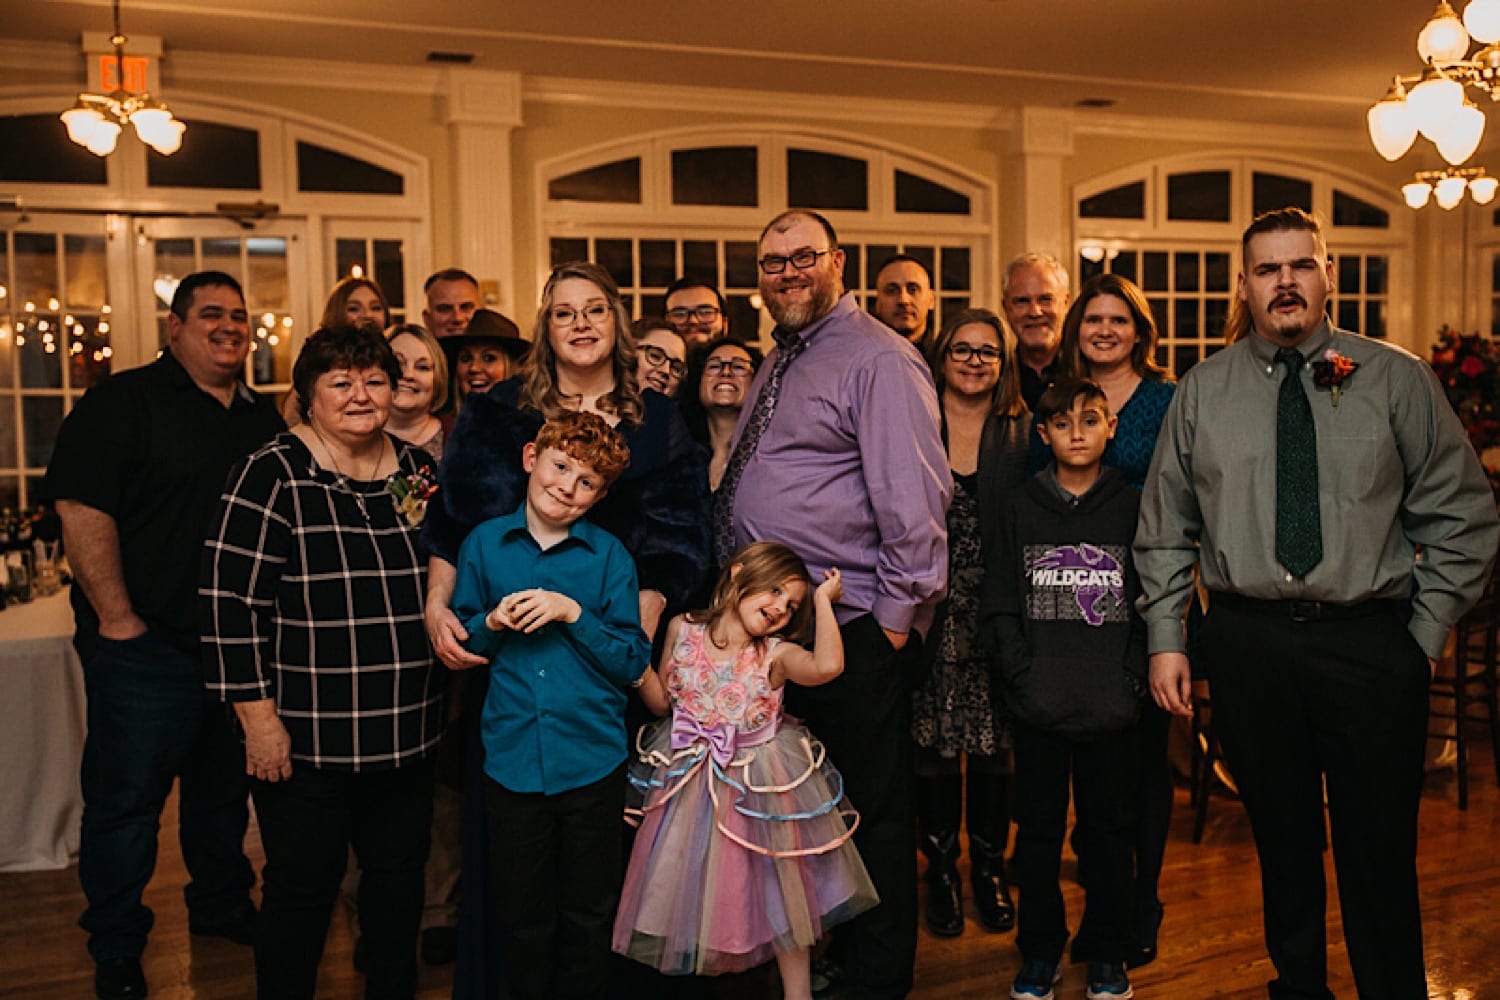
(760, 418)
(1299, 534)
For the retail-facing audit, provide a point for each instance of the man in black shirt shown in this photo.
(135, 475)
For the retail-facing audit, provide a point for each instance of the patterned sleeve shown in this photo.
(243, 559)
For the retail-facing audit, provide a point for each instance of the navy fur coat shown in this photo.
(659, 508)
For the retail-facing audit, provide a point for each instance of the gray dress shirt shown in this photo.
(1395, 473)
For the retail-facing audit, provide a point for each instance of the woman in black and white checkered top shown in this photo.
(312, 603)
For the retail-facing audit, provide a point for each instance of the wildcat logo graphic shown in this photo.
(1090, 573)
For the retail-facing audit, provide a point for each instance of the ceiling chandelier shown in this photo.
(1436, 104)
(96, 121)
(1447, 187)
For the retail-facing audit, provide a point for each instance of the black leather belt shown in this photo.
(1305, 611)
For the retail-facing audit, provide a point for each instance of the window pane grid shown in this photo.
(54, 343)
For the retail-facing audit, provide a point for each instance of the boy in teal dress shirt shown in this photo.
(552, 601)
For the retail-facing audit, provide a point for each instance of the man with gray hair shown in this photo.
(1035, 296)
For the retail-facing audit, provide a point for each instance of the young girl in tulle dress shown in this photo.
(743, 850)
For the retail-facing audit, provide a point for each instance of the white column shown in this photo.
(480, 109)
(1038, 214)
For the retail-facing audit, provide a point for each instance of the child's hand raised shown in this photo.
(832, 586)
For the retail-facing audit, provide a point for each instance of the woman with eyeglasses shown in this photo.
(661, 355)
(719, 376)
(582, 359)
(956, 725)
(1109, 335)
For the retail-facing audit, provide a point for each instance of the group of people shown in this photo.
(445, 605)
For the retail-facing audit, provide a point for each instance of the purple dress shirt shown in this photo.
(852, 471)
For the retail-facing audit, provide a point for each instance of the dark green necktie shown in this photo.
(1299, 535)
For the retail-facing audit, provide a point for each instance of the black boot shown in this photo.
(945, 905)
(991, 890)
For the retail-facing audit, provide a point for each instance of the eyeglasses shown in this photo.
(802, 260)
(595, 314)
(656, 357)
(738, 367)
(961, 353)
(703, 314)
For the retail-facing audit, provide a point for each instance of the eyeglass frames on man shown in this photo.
(986, 354)
(703, 314)
(733, 366)
(656, 357)
(773, 263)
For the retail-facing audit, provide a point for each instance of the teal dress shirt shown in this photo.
(554, 715)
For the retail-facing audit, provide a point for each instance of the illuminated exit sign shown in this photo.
(135, 70)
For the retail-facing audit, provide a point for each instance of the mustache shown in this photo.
(1288, 298)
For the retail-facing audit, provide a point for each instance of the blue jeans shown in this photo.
(150, 721)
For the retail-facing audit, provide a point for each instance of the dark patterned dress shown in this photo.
(952, 711)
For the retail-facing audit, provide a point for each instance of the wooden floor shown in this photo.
(1210, 941)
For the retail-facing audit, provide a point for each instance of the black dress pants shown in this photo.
(554, 881)
(307, 825)
(1298, 703)
(864, 719)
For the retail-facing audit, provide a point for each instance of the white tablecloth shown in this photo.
(42, 725)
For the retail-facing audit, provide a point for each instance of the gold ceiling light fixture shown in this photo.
(1436, 104)
(96, 120)
(1447, 187)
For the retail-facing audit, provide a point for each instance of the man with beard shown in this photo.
(697, 311)
(840, 458)
(1035, 296)
(1302, 469)
(903, 297)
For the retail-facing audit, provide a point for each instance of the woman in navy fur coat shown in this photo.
(582, 359)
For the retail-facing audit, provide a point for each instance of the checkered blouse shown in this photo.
(311, 593)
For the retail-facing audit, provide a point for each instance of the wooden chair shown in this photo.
(1470, 686)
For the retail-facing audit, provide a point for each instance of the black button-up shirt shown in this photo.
(152, 450)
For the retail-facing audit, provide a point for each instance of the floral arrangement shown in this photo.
(412, 493)
(1466, 364)
(1331, 371)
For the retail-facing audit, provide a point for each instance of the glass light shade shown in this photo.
(1482, 189)
(1482, 18)
(80, 121)
(1416, 193)
(172, 141)
(1450, 191)
(1434, 102)
(1392, 128)
(151, 124)
(102, 141)
(1460, 138)
(1443, 38)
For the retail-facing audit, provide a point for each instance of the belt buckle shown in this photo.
(1306, 611)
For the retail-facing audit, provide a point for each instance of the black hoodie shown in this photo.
(1059, 608)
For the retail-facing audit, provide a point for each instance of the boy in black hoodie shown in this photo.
(1059, 598)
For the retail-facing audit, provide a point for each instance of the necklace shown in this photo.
(342, 479)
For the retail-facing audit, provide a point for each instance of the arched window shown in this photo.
(285, 204)
(1174, 226)
(693, 202)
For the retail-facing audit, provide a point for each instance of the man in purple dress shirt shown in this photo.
(851, 472)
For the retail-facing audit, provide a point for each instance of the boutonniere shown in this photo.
(1332, 371)
(412, 493)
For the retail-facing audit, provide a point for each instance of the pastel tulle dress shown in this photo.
(744, 844)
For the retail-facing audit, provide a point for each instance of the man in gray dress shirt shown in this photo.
(1319, 671)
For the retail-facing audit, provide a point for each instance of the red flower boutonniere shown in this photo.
(412, 493)
(1332, 371)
